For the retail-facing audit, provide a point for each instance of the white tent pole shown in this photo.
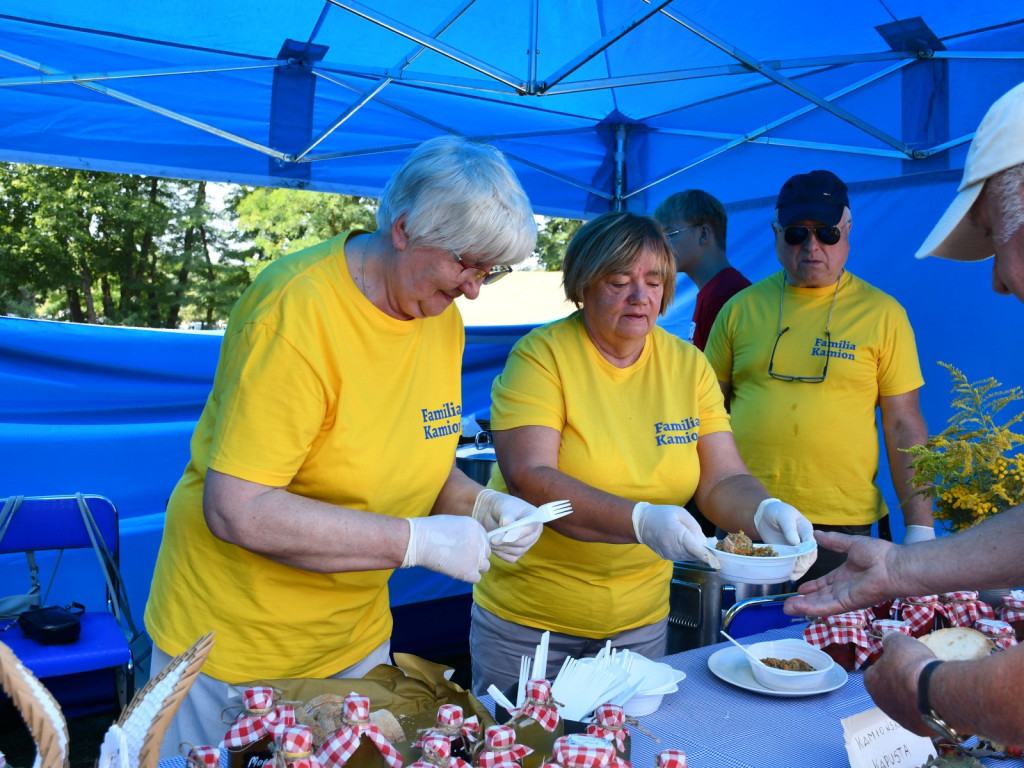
(791, 85)
(426, 41)
(369, 95)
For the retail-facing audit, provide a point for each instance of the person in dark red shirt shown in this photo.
(695, 224)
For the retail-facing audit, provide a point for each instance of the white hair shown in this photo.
(1006, 187)
(463, 196)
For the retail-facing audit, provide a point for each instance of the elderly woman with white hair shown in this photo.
(324, 457)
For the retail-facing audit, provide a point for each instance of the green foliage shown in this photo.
(279, 221)
(554, 234)
(972, 468)
(132, 250)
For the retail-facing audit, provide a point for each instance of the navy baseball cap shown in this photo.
(815, 196)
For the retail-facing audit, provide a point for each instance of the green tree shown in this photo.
(280, 221)
(553, 235)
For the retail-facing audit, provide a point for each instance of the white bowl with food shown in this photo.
(767, 563)
(790, 665)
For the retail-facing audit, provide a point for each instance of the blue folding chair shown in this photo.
(98, 670)
(758, 614)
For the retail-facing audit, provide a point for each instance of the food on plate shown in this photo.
(958, 644)
(787, 665)
(741, 544)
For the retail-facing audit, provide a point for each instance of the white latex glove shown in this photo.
(780, 523)
(671, 532)
(916, 533)
(493, 510)
(450, 544)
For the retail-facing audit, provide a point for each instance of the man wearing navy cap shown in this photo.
(805, 356)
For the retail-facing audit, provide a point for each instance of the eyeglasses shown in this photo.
(804, 379)
(674, 232)
(487, 274)
(828, 341)
(826, 235)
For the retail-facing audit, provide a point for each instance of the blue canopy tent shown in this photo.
(599, 104)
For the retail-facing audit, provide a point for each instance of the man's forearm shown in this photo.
(982, 697)
(986, 556)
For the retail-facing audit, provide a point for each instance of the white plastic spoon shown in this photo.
(743, 648)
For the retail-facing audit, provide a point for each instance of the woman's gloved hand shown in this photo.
(671, 532)
(780, 523)
(493, 510)
(915, 533)
(450, 544)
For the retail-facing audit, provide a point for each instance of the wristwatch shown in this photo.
(932, 718)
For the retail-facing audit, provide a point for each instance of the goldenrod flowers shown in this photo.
(971, 468)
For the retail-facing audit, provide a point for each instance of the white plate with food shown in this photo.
(731, 665)
(767, 563)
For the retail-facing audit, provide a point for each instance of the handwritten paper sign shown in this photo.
(875, 740)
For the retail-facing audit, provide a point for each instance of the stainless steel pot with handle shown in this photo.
(477, 459)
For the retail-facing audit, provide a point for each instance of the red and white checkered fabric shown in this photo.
(437, 752)
(295, 747)
(610, 723)
(999, 632)
(500, 748)
(203, 757)
(962, 609)
(450, 723)
(343, 743)
(539, 705)
(579, 751)
(918, 612)
(671, 758)
(259, 717)
(1013, 606)
(877, 631)
(843, 628)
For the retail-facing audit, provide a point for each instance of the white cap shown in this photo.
(998, 144)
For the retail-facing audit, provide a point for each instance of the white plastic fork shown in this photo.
(545, 513)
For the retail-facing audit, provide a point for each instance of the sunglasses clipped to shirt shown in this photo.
(797, 235)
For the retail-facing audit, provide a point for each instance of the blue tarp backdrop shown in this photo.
(598, 104)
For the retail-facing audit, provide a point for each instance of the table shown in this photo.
(719, 725)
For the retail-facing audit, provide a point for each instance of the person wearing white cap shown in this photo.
(986, 218)
(923, 694)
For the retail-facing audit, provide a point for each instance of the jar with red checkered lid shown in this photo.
(462, 733)
(961, 609)
(844, 637)
(670, 758)
(918, 612)
(250, 739)
(999, 632)
(610, 723)
(1012, 612)
(877, 630)
(501, 750)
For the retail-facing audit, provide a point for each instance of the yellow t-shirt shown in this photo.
(814, 446)
(629, 431)
(319, 392)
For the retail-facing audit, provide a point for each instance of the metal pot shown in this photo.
(477, 459)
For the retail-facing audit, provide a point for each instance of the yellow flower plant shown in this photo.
(972, 469)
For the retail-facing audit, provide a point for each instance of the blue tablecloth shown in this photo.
(719, 725)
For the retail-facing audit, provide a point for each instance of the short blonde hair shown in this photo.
(612, 244)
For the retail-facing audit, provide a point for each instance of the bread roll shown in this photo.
(958, 644)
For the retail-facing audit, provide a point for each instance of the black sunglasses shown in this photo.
(826, 235)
